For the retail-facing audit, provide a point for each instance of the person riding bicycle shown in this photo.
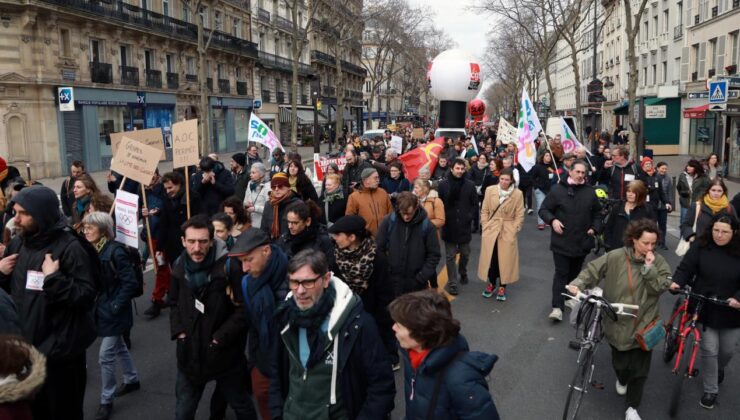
(632, 274)
(705, 267)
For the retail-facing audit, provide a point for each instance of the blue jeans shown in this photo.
(112, 348)
(539, 197)
(684, 210)
(233, 388)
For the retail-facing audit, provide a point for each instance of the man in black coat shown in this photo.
(49, 275)
(618, 173)
(573, 211)
(461, 202)
(352, 174)
(240, 173)
(208, 322)
(213, 183)
(173, 215)
(76, 169)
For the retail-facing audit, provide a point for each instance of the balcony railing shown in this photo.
(101, 72)
(191, 78)
(173, 80)
(353, 68)
(209, 84)
(153, 78)
(130, 76)
(282, 23)
(244, 4)
(273, 61)
(263, 15)
(322, 57)
(678, 32)
(266, 96)
(224, 86)
(326, 27)
(711, 73)
(241, 88)
(280, 97)
(121, 12)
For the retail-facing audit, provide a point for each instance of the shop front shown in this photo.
(731, 142)
(229, 123)
(661, 124)
(701, 125)
(85, 132)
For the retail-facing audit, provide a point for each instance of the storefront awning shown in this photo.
(305, 116)
(623, 108)
(696, 112)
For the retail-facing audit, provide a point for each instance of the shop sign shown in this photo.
(101, 103)
(257, 104)
(141, 98)
(718, 107)
(655, 111)
(68, 74)
(66, 99)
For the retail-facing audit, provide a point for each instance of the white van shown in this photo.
(553, 125)
(453, 133)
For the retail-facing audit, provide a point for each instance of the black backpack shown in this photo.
(135, 259)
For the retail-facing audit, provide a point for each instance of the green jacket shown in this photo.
(648, 283)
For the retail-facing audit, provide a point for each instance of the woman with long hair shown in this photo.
(300, 183)
(491, 177)
(234, 207)
(88, 198)
(713, 167)
(633, 207)
(502, 216)
(713, 202)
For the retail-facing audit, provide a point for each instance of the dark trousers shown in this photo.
(527, 196)
(62, 395)
(566, 269)
(494, 271)
(662, 225)
(632, 367)
(232, 387)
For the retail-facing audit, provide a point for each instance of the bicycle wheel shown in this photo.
(670, 345)
(578, 386)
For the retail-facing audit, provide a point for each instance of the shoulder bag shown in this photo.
(654, 332)
(683, 244)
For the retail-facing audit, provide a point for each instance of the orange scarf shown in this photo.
(275, 202)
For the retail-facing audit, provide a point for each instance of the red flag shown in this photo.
(423, 156)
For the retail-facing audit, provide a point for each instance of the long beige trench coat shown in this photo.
(504, 226)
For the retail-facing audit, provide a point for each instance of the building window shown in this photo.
(238, 73)
(654, 75)
(713, 53)
(185, 13)
(220, 73)
(125, 52)
(205, 16)
(236, 29)
(735, 47)
(170, 63)
(655, 26)
(148, 59)
(166, 7)
(96, 50)
(695, 58)
(665, 21)
(368, 87)
(218, 22)
(191, 67)
(145, 4)
(664, 72)
(278, 85)
(262, 42)
(65, 43)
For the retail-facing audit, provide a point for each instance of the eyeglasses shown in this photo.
(307, 284)
(276, 187)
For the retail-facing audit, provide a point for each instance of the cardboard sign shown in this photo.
(320, 163)
(418, 133)
(151, 137)
(135, 161)
(506, 132)
(185, 144)
(127, 223)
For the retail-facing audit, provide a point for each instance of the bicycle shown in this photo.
(591, 312)
(682, 324)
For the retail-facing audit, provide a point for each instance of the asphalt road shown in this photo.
(530, 380)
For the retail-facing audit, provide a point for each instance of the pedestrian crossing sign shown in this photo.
(718, 92)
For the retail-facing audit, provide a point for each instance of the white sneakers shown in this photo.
(631, 413)
(621, 389)
(556, 314)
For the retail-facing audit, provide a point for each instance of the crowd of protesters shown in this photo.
(300, 299)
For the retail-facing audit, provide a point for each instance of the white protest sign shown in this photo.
(396, 144)
(506, 132)
(127, 222)
(185, 144)
(136, 160)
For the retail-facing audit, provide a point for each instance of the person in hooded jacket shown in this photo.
(443, 379)
(208, 323)
(213, 183)
(113, 310)
(304, 231)
(22, 373)
(573, 211)
(47, 271)
(409, 240)
(329, 362)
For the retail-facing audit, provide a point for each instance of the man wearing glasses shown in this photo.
(329, 361)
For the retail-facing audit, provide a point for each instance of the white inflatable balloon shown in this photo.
(454, 75)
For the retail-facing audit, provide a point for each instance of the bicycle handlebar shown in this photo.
(619, 308)
(686, 291)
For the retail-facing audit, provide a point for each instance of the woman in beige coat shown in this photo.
(502, 216)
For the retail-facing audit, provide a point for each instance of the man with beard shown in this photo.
(208, 323)
(618, 173)
(461, 202)
(329, 362)
(370, 202)
(251, 158)
(50, 277)
(173, 215)
(352, 174)
(241, 174)
(66, 196)
(274, 217)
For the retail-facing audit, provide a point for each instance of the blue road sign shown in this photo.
(718, 92)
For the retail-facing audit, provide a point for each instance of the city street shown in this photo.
(530, 380)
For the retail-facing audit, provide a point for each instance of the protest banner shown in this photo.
(135, 161)
(569, 141)
(528, 130)
(259, 132)
(396, 144)
(185, 144)
(151, 137)
(127, 222)
(321, 163)
(417, 134)
(506, 132)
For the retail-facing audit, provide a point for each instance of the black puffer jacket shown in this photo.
(352, 175)
(618, 220)
(313, 237)
(703, 222)
(173, 215)
(213, 194)
(578, 209)
(542, 178)
(656, 195)
(223, 320)
(412, 249)
(617, 178)
(460, 209)
(710, 264)
(58, 319)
